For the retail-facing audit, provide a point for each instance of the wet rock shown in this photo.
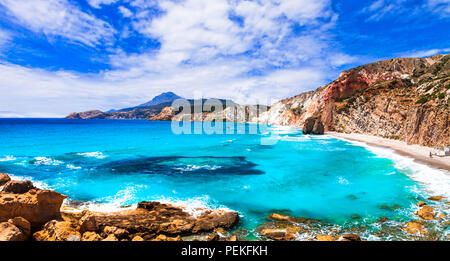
(279, 217)
(91, 236)
(4, 178)
(88, 222)
(313, 125)
(157, 218)
(121, 233)
(22, 224)
(166, 238)
(426, 212)
(137, 238)
(108, 230)
(355, 217)
(278, 234)
(390, 207)
(9, 232)
(441, 216)
(421, 203)
(110, 237)
(36, 206)
(324, 238)
(382, 220)
(436, 198)
(414, 227)
(232, 238)
(18, 187)
(57, 231)
(351, 237)
(213, 237)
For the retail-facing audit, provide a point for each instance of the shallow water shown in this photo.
(122, 162)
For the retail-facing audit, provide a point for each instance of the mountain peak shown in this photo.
(162, 98)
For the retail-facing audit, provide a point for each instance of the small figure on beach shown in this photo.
(431, 155)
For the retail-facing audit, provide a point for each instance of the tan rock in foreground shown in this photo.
(110, 237)
(4, 178)
(91, 236)
(278, 234)
(22, 224)
(9, 232)
(137, 238)
(57, 231)
(426, 212)
(414, 227)
(36, 206)
(324, 238)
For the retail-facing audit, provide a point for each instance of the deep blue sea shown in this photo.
(112, 163)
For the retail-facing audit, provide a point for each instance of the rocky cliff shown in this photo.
(405, 98)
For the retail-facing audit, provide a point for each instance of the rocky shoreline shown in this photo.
(28, 213)
(31, 214)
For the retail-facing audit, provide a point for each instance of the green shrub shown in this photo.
(422, 100)
(441, 95)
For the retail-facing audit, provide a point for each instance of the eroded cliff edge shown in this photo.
(405, 98)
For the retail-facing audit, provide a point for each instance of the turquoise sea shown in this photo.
(113, 163)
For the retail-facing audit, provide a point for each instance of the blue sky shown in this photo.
(60, 56)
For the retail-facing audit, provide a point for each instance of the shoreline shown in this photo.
(419, 153)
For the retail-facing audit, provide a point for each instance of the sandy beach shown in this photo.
(419, 153)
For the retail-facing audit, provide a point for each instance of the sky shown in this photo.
(62, 56)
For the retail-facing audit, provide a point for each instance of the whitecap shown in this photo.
(8, 158)
(70, 166)
(96, 154)
(195, 167)
(46, 161)
(36, 183)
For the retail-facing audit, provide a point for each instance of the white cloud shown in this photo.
(60, 18)
(441, 7)
(425, 53)
(4, 37)
(98, 3)
(125, 11)
(257, 60)
(381, 9)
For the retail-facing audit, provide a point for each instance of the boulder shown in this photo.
(88, 222)
(22, 224)
(91, 236)
(421, 203)
(57, 231)
(351, 237)
(232, 238)
(18, 187)
(36, 206)
(121, 233)
(108, 230)
(441, 216)
(382, 220)
(278, 234)
(324, 238)
(110, 237)
(4, 178)
(137, 238)
(436, 198)
(157, 218)
(426, 212)
(414, 227)
(166, 238)
(313, 125)
(279, 217)
(9, 232)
